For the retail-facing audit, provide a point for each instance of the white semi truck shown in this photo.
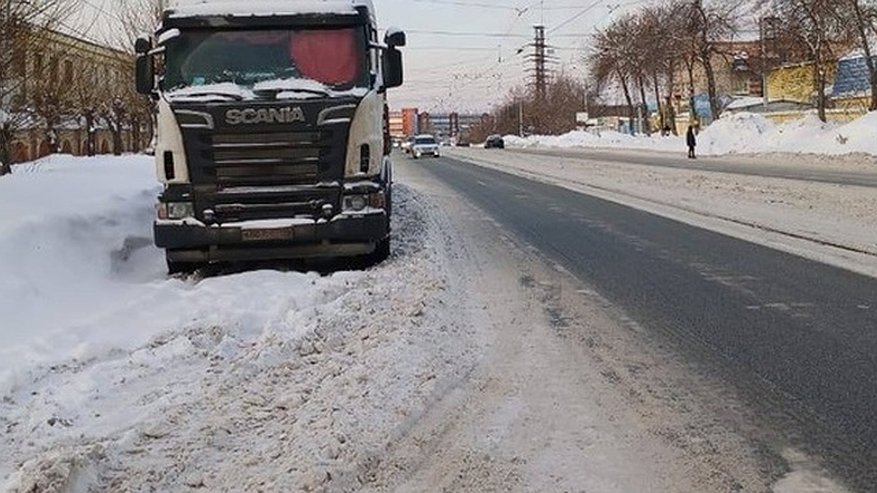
(272, 136)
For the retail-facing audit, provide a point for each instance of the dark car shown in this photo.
(494, 142)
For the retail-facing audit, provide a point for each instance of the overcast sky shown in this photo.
(461, 54)
(472, 72)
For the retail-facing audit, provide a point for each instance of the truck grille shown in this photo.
(250, 203)
(287, 158)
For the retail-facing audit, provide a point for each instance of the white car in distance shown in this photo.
(425, 145)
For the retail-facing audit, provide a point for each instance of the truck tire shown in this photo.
(184, 268)
(382, 252)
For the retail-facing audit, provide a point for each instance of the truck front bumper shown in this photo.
(342, 236)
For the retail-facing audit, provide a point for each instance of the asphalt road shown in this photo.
(720, 164)
(799, 337)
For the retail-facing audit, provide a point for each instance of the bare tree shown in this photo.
(49, 89)
(137, 18)
(556, 114)
(613, 59)
(816, 25)
(658, 49)
(860, 16)
(708, 27)
(22, 23)
(84, 96)
(643, 51)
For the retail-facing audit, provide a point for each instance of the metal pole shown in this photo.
(764, 74)
(521, 118)
(587, 99)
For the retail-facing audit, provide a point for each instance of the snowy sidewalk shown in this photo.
(742, 133)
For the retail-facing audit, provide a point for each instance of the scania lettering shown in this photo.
(251, 116)
(272, 136)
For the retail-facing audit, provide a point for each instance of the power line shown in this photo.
(577, 16)
(469, 34)
(589, 8)
(450, 48)
(460, 3)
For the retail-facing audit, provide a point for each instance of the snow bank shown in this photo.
(115, 378)
(81, 275)
(71, 235)
(741, 133)
(587, 139)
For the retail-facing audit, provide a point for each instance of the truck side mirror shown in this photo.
(145, 75)
(142, 45)
(393, 73)
(395, 38)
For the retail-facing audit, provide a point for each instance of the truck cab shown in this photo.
(272, 136)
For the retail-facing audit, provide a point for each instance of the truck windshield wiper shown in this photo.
(199, 94)
(309, 91)
(274, 91)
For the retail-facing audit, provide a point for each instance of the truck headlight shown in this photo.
(355, 203)
(358, 203)
(180, 210)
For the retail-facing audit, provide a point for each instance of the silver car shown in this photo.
(425, 145)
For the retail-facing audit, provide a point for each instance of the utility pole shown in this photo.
(521, 117)
(762, 35)
(539, 61)
(768, 31)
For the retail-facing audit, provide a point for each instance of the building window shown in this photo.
(68, 72)
(19, 64)
(53, 70)
(38, 66)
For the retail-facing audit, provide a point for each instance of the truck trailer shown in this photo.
(272, 132)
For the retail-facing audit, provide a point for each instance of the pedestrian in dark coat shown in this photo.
(691, 138)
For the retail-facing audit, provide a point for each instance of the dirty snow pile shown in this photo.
(741, 133)
(114, 377)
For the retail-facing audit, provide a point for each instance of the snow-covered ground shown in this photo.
(740, 133)
(116, 377)
(72, 235)
(441, 369)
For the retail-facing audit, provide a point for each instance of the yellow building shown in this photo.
(796, 82)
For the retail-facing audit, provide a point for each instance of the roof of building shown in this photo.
(744, 102)
(77, 40)
(772, 106)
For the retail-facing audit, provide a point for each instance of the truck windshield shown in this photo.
(333, 57)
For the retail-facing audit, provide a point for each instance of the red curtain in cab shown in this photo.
(328, 56)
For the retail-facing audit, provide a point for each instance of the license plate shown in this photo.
(267, 234)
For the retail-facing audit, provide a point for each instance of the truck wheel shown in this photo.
(382, 251)
(174, 268)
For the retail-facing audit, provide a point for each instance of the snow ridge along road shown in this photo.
(740, 133)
